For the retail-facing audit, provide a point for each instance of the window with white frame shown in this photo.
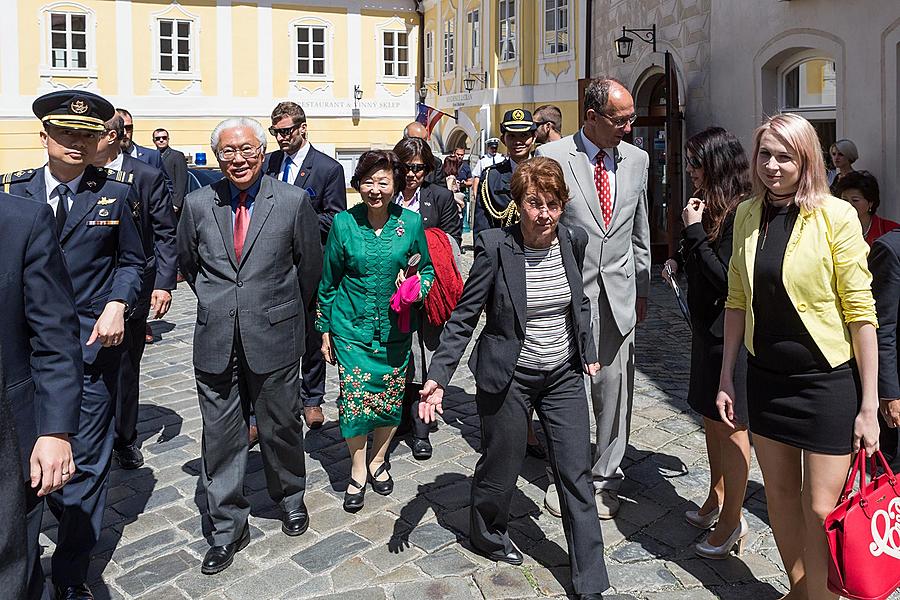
(449, 46)
(474, 22)
(396, 54)
(68, 37)
(310, 44)
(809, 88)
(429, 56)
(174, 45)
(507, 41)
(556, 27)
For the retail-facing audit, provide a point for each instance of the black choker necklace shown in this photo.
(770, 198)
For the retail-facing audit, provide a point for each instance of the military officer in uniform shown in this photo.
(105, 259)
(493, 205)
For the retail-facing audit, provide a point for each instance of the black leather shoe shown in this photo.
(354, 502)
(421, 448)
(514, 558)
(219, 558)
(295, 522)
(591, 596)
(383, 488)
(73, 592)
(130, 457)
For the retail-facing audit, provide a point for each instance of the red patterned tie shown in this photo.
(601, 180)
(241, 224)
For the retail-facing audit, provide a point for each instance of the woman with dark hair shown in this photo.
(800, 301)
(438, 209)
(450, 172)
(367, 258)
(720, 173)
(533, 352)
(860, 189)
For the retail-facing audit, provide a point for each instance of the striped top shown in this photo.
(549, 337)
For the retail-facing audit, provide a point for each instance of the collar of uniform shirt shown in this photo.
(50, 183)
(116, 163)
(591, 150)
(252, 191)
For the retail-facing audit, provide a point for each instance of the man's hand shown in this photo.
(160, 302)
(640, 307)
(890, 410)
(52, 465)
(110, 327)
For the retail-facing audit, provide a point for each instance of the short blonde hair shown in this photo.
(847, 148)
(798, 134)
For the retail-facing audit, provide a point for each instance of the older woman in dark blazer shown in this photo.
(533, 352)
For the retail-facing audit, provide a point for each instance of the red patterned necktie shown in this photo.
(601, 180)
(241, 224)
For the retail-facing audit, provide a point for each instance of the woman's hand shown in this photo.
(693, 212)
(865, 432)
(725, 402)
(592, 369)
(432, 398)
(328, 348)
(670, 268)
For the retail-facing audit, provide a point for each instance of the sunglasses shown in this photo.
(416, 167)
(160, 138)
(283, 131)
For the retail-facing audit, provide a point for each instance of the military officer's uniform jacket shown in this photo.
(493, 203)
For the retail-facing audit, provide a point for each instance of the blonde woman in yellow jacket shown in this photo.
(799, 297)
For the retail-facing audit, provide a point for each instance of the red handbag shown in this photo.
(863, 534)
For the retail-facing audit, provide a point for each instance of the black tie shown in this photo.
(62, 207)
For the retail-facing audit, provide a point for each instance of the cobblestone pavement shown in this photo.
(411, 545)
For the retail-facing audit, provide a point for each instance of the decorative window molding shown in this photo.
(395, 43)
(555, 26)
(473, 21)
(312, 41)
(507, 40)
(175, 45)
(449, 33)
(69, 46)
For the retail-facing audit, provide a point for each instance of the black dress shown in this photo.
(706, 265)
(794, 395)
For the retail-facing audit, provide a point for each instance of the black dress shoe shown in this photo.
(73, 592)
(219, 558)
(591, 596)
(383, 488)
(354, 502)
(129, 457)
(295, 522)
(514, 557)
(421, 448)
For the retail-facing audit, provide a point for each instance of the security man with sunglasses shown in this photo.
(493, 205)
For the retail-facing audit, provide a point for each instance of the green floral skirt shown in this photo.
(373, 379)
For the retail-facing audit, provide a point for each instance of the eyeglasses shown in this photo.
(160, 138)
(283, 131)
(229, 154)
(620, 123)
(415, 167)
(553, 207)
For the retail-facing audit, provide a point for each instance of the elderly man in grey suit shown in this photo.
(250, 249)
(608, 181)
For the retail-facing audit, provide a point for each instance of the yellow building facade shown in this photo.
(187, 65)
(484, 57)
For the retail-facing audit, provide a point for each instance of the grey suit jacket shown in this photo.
(617, 261)
(267, 294)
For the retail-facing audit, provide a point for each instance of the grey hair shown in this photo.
(251, 124)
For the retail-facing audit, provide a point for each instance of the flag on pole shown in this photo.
(429, 117)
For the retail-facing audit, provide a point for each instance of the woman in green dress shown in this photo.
(366, 258)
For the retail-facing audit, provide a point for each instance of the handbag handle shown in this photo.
(859, 466)
(856, 466)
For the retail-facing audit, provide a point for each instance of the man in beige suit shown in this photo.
(608, 182)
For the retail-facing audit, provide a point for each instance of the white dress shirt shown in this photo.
(609, 161)
(116, 163)
(296, 162)
(50, 184)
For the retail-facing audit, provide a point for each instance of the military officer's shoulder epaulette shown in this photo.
(113, 175)
(17, 176)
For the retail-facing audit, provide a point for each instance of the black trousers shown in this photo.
(410, 420)
(36, 589)
(312, 366)
(127, 399)
(559, 399)
(225, 402)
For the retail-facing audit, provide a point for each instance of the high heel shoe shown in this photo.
(694, 518)
(383, 488)
(354, 502)
(706, 550)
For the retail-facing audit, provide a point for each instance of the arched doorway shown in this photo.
(659, 131)
(457, 138)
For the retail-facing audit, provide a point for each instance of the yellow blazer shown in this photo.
(824, 273)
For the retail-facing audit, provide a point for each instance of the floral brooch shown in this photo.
(400, 230)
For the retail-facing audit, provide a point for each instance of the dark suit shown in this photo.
(13, 537)
(493, 188)
(505, 391)
(104, 259)
(152, 157)
(438, 209)
(323, 179)
(176, 168)
(41, 363)
(884, 262)
(249, 337)
(151, 206)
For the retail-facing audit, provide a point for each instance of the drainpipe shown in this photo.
(587, 39)
(420, 10)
